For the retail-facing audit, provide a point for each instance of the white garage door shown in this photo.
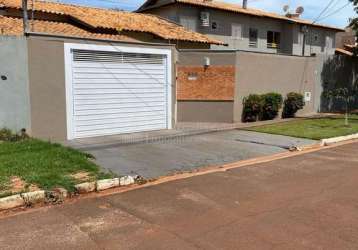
(116, 92)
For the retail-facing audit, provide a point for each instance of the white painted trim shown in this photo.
(68, 74)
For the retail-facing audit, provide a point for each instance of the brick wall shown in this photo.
(214, 83)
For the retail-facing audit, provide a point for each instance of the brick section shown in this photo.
(215, 83)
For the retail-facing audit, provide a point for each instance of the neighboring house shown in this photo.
(83, 72)
(347, 37)
(245, 28)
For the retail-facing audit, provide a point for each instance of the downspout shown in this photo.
(25, 17)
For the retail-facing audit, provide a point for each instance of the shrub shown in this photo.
(271, 105)
(293, 103)
(8, 135)
(252, 108)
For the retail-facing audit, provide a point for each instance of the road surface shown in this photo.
(308, 201)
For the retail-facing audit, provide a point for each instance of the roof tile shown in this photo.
(119, 20)
(14, 27)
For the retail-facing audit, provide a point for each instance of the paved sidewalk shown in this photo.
(303, 202)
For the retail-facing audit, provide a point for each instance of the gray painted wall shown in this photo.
(259, 73)
(205, 111)
(188, 16)
(256, 73)
(14, 101)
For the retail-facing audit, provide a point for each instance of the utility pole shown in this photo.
(25, 16)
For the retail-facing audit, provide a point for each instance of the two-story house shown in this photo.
(243, 28)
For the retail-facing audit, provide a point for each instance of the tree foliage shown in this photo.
(354, 22)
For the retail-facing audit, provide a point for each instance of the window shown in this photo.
(253, 35)
(329, 42)
(300, 38)
(214, 25)
(236, 31)
(273, 39)
(189, 23)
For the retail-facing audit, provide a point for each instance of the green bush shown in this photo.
(8, 135)
(252, 108)
(293, 103)
(271, 105)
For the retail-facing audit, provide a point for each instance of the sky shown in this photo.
(312, 8)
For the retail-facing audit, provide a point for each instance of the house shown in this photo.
(348, 37)
(83, 72)
(245, 28)
(101, 23)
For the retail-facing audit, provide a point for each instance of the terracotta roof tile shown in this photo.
(343, 51)
(14, 27)
(119, 20)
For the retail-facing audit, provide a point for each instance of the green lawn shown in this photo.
(44, 164)
(317, 128)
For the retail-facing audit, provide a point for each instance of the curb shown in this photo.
(60, 194)
(142, 183)
(330, 141)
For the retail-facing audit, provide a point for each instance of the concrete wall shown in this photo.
(205, 111)
(255, 73)
(262, 73)
(14, 101)
(47, 84)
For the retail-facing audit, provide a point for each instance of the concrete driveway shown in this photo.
(303, 202)
(160, 158)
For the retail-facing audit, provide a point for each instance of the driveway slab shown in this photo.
(168, 156)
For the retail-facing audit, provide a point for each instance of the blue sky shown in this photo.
(312, 7)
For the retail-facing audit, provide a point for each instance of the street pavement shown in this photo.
(309, 201)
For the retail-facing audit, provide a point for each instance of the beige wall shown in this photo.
(205, 111)
(47, 84)
(263, 73)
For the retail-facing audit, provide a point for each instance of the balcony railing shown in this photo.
(273, 45)
(253, 44)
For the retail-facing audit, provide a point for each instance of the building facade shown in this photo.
(247, 29)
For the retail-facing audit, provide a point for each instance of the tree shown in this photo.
(340, 84)
(347, 95)
(354, 23)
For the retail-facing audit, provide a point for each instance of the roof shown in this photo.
(117, 20)
(14, 27)
(344, 52)
(348, 50)
(237, 9)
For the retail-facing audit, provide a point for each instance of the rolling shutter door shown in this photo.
(117, 92)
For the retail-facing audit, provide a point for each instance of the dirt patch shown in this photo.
(17, 185)
(82, 176)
